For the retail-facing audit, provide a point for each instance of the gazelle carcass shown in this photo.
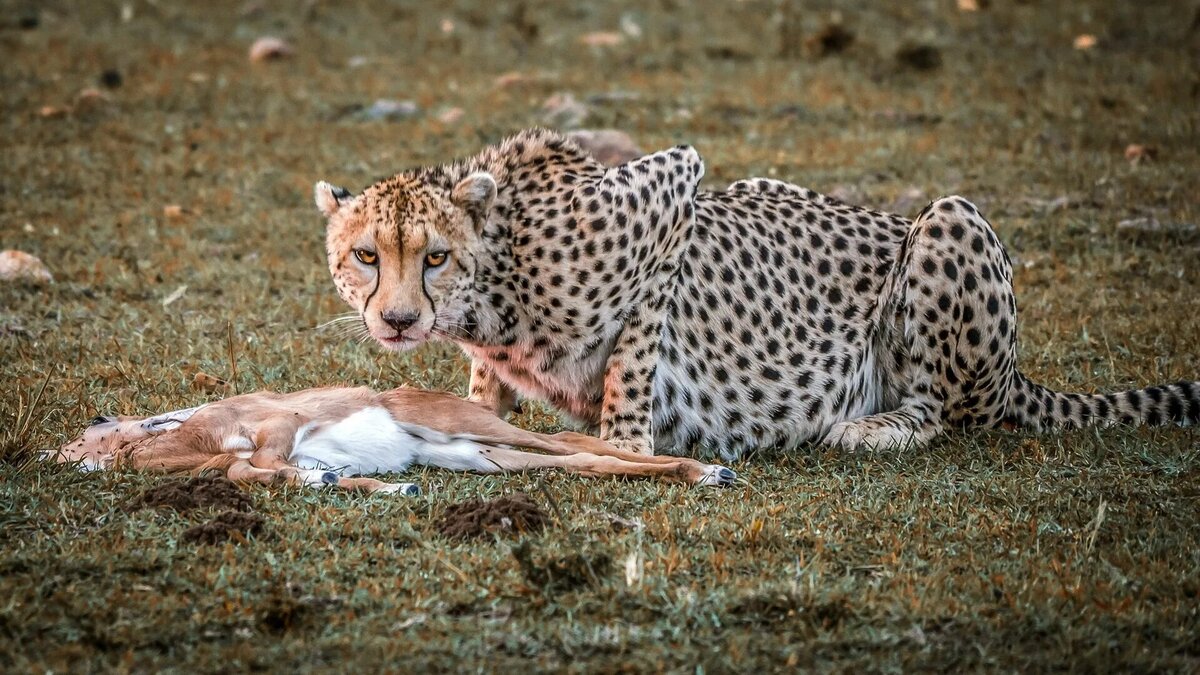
(332, 435)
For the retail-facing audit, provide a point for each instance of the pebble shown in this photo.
(269, 49)
(18, 266)
(563, 111)
(450, 115)
(610, 147)
(1138, 153)
(601, 39)
(388, 109)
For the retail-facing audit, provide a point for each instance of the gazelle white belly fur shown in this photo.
(372, 441)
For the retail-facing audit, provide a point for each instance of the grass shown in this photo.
(985, 551)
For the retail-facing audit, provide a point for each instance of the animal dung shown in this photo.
(194, 493)
(18, 266)
(478, 518)
(227, 525)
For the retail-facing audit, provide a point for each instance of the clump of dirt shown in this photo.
(920, 57)
(560, 573)
(832, 39)
(773, 607)
(223, 527)
(480, 517)
(194, 493)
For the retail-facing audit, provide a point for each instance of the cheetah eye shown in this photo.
(366, 257)
(436, 259)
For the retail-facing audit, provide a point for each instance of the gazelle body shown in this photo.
(333, 435)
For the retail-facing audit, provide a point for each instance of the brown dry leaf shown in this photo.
(209, 384)
(1085, 42)
(269, 49)
(21, 266)
(1138, 153)
(601, 39)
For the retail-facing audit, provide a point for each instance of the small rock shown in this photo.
(601, 39)
(173, 211)
(906, 202)
(920, 57)
(847, 194)
(832, 39)
(610, 147)
(209, 384)
(1084, 42)
(1152, 225)
(269, 49)
(450, 115)
(90, 98)
(447, 26)
(1138, 153)
(388, 110)
(111, 78)
(53, 111)
(563, 111)
(971, 5)
(23, 267)
(511, 78)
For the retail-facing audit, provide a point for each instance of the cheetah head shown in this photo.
(403, 253)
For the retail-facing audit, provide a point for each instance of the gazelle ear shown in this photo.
(330, 198)
(475, 194)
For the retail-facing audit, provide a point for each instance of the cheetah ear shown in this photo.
(475, 194)
(330, 198)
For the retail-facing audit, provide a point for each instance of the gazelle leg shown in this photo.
(488, 459)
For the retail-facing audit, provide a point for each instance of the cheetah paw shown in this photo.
(857, 436)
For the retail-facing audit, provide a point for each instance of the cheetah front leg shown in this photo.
(486, 388)
(626, 418)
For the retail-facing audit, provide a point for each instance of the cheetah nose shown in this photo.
(401, 321)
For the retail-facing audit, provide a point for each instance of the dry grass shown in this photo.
(981, 552)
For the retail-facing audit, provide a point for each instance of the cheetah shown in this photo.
(683, 320)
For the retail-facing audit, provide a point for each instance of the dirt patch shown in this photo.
(227, 525)
(194, 493)
(554, 573)
(480, 517)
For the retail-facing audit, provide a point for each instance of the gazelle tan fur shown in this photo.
(329, 434)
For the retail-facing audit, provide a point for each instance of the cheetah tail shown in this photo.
(1035, 406)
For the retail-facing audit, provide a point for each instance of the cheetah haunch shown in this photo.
(763, 315)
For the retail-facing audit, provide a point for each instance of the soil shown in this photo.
(224, 527)
(512, 515)
(189, 494)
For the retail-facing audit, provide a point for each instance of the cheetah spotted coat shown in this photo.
(762, 315)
